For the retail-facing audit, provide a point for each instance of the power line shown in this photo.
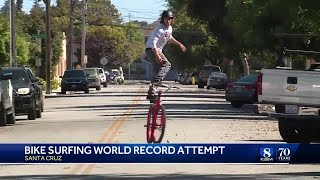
(189, 32)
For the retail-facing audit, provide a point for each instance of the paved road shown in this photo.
(117, 115)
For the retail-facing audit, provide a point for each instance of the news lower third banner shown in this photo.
(159, 153)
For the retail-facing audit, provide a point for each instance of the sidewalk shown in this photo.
(53, 92)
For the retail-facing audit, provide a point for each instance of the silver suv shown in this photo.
(7, 113)
(205, 72)
(93, 77)
(103, 77)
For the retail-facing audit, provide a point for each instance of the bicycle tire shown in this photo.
(163, 118)
(149, 131)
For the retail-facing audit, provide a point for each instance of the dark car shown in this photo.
(74, 80)
(204, 74)
(28, 96)
(217, 80)
(243, 91)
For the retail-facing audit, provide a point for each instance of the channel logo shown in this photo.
(266, 155)
(283, 154)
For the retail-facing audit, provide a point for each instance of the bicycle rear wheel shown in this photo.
(150, 126)
(159, 124)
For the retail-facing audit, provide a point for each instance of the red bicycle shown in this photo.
(156, 120)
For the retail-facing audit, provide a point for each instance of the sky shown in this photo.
(141, 10)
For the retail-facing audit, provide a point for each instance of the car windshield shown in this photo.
(211, 68)
(115, 73)
(18, 76)
(100, 71)
(90, 71)
(218, 74)
(249, 78)
(74, 73)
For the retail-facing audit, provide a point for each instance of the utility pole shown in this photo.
(10, 16)
(130, 58)
(13, 54)
(83, 35)
(70, 37)
(48, 47)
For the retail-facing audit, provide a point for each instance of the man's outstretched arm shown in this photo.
(176, 42)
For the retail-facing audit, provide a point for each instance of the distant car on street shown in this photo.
(103, 77)
(74, 80)
(205, 72)
(243, 91)
(93, 77)
(217, 80)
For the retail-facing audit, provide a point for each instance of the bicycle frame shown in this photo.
(155, 108)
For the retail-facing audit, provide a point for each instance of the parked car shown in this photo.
(116, 77)
(243, 91)
(93, 77)
(27, 92)
(74, 80)
(186, 79)
(103, 77)
(204, 73)
(217, 80)
(7, 110)
(178, 77)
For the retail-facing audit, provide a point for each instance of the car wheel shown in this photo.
(11, 118)
(208, 87)
(98, 88)
(105, 84)
(42, 106)
(32, 114)
(200, 85)
(38, 111)
(63, 91)
(86, 91)
(289, 132)
(3, 115)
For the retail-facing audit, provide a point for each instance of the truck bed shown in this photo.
(290, 87)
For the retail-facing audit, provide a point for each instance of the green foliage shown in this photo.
(23, 53)
(54, 84)
(56, 47)
(44, 86)
(112, 43)
(248, 26)
(4, 41)
(23, 44)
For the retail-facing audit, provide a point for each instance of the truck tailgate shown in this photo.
(290, 87)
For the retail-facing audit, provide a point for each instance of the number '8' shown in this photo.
(266, 152)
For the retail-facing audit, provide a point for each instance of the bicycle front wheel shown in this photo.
(150, 128)
(159, 124)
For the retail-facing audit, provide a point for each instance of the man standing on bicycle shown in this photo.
(156, 41)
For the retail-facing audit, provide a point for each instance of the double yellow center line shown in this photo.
(109, 134)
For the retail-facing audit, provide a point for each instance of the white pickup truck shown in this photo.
(296, 96)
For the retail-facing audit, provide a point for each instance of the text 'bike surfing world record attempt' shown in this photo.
(130, 153)
(159, 153)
